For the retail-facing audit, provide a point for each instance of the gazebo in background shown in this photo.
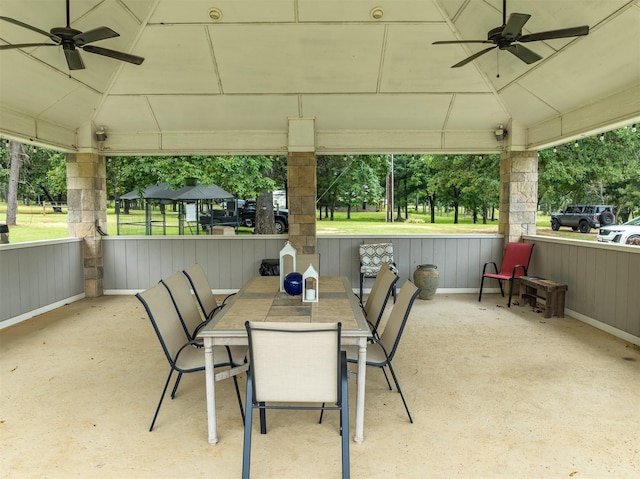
(196, 207)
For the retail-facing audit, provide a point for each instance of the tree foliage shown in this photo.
(599, 171)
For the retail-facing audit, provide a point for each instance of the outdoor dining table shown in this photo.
(260, 299)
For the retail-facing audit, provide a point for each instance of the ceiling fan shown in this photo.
(507, 36)
(71, 40)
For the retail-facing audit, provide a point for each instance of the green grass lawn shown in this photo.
(34, 223)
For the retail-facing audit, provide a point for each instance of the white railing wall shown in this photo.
(39, 276)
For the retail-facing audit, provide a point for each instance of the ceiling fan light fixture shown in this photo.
(215, 14)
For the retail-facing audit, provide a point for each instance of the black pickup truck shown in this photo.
(247, 212)
(246, 216)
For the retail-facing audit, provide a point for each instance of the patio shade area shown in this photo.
(494, 392)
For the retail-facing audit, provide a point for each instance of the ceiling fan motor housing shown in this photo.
(495, 36)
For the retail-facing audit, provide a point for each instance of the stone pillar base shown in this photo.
(87, 203)
(518, 194)
(301, 178)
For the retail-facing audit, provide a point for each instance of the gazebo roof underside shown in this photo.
(235, 85)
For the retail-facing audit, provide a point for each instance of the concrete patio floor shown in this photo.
(494, 393)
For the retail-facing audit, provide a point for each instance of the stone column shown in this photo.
(518, 194)
(301, 180)
(87, 203)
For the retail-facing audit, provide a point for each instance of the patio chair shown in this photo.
(515, 263)
(296, 366)
(381, 352)
(192, 323)
(372, 257)
(175, 343)
(201, 288)
(377, 299)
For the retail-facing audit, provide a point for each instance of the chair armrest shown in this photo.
(495, 267)
(188, 344)
(515, 269)
(225, 299)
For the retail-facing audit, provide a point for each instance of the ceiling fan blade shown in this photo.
(450, 42)
(27, 45)
(551, 34)
(472, 57)
(523, 53)
(74, 60)
(125, 57)
(30, 27)
(95, 35)
(514, 25)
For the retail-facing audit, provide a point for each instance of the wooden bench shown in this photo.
(533, 289)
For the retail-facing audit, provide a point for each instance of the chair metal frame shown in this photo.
(202, 289)
(182, 353)
(515, 263)
(377, 299)
(185, 304)
(380, 354)
(267, 384)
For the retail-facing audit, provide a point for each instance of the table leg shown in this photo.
(210, 382)
(361, 381)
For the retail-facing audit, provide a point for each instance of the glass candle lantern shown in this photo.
(287, 251)
(310, 285)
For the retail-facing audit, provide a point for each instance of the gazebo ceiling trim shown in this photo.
(231, 85)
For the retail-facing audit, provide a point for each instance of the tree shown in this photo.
(14, 175)
(481, 193)
(424, 179)
(600, 170)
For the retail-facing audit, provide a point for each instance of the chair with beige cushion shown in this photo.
(380, 354)
(185, 305)
(296, 366)
(180, 351)
(377, 299)
(202, 290)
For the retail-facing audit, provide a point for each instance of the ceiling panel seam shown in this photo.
(214, 61)
(153, 115)
(383, 50)
(449, 110)
(118, 71)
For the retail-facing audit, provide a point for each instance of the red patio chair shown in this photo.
(514, 264)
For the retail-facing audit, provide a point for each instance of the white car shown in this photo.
(620, 233)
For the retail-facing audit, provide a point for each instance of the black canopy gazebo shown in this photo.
(199, 206)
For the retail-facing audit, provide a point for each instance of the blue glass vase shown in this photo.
(293, 283)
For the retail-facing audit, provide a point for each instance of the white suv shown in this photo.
(620, 234)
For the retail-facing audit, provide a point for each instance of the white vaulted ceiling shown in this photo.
(232, 85)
